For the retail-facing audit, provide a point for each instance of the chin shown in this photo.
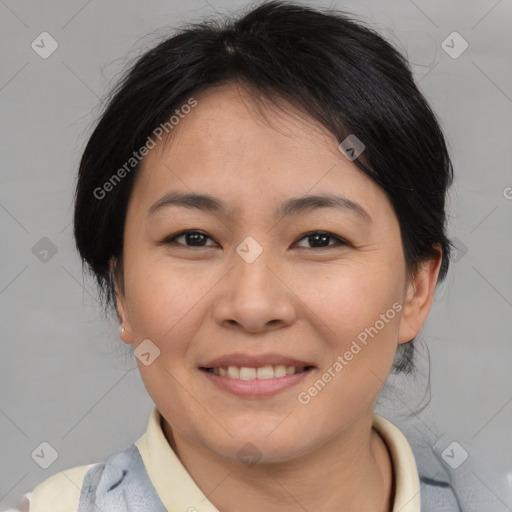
(257, 446)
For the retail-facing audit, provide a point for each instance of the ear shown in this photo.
(418, 297)
(126, 334)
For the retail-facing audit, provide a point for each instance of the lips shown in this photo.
(255, 361)
(256, 376)
(270, 371)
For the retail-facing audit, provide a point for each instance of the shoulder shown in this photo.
(451, 476)
(68, 490)
(120, 481)
(58, 493)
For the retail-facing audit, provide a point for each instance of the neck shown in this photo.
(352, 472)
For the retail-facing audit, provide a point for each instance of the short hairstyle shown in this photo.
(325, 64)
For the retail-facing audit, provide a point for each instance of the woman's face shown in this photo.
(255, 286)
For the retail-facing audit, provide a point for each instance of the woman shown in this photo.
(263, 203)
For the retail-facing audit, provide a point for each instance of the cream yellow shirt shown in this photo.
(178, 491)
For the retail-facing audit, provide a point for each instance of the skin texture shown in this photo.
(198, 302)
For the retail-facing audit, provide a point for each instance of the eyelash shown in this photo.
(340, 241)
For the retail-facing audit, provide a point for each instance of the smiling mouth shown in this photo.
(260, 373)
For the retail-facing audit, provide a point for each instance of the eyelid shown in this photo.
(340, 241)
(171, 238)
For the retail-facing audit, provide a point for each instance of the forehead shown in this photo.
(233, 143)
(232, 121)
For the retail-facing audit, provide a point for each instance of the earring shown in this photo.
(122, 330)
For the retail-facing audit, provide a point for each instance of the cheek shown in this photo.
(357, 310)
(360, 343)
(348, 298)
(164, 301)
(167, 309)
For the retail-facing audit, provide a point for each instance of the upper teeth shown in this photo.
(264, 372)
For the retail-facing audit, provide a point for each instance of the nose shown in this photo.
(254, 296)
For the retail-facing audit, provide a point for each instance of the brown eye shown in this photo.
(320, 239)
(191, 238)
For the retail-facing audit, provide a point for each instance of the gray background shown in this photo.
(67, 379)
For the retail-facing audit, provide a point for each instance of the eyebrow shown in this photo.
(292, 206)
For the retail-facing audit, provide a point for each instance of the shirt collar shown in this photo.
(163, 466)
